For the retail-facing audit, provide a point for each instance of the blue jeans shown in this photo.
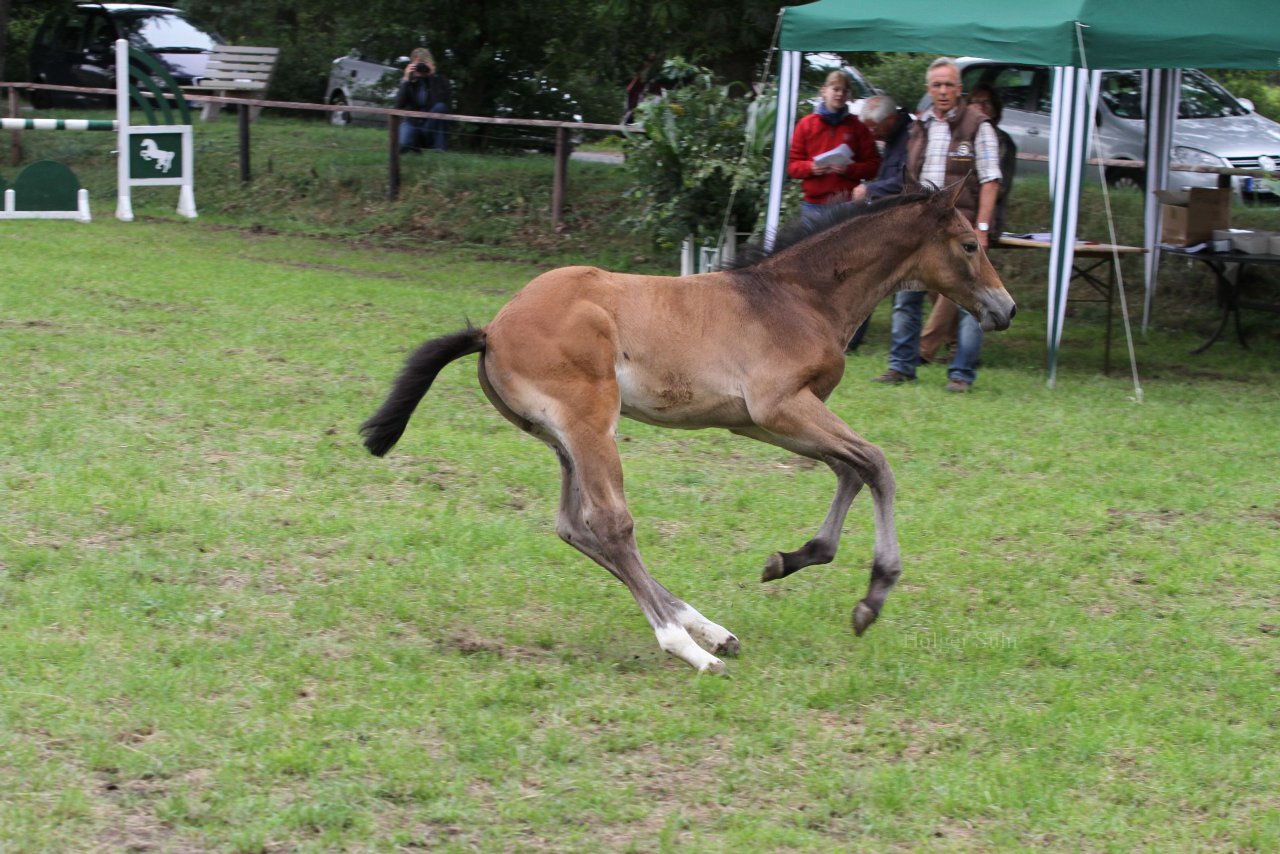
(810, 211)
(416, 134)
(904, 348)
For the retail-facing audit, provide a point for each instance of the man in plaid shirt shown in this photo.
(951, 143)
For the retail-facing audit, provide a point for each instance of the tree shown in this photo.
(4, 28)
(505, 55)
(702, 158)
(19, 20)
(518, 59)
(551, 59)
(730, 37)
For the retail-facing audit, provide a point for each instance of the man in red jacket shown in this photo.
(831, 150)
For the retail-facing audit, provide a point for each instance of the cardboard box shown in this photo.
(1191, 216)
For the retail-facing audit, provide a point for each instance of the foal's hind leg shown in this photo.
(593, 511)
(594, 519)
(803, 424)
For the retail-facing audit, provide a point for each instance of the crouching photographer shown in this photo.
(426, 90)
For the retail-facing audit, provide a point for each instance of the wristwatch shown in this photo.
(982, 226)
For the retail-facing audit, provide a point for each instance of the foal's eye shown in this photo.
(970, 246)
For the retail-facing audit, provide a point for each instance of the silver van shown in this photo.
(356, 81)
(1213, 128)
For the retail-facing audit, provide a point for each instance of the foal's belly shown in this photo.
(675, 399)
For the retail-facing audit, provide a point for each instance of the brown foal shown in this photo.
(755, 350)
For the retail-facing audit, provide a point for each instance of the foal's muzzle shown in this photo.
(998, 310)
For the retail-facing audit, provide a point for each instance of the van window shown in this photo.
(1202, 98)
(1044, 96)
(99, 34)
(1014, 84)
(70, 33)
(46, 36)
(1122, 93)
(164, 31)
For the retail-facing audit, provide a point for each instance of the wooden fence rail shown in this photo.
(244, 105)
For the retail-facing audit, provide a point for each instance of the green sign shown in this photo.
(156, 155)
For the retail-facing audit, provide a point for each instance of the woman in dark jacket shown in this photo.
(425, 89)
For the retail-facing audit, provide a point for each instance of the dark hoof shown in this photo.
(729, 647)
(773, 568)
(863, 617)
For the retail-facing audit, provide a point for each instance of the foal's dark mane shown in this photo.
(797, 231)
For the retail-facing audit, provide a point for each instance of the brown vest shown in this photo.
(962, 163)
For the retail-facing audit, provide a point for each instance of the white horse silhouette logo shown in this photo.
(151, 151)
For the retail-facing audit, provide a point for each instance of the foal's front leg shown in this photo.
(822, 548)
(803, 424)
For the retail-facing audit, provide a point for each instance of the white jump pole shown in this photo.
(124, 202)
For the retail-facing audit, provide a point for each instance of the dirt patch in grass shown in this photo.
(1265, 515)
(337, 268)
(30, 324)
(679, 794)
(1149, 519)
(469, 642)
(125, 814)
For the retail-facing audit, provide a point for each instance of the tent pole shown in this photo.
(1161, 90)
(788, 89)
(1068, 151)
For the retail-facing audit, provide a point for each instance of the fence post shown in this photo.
(242, 112)
(558, 181)
(15, 137)
(393, 158)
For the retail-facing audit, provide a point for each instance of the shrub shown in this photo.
(901, 75)
(702, 158)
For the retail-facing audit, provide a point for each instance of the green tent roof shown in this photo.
(1116, 33)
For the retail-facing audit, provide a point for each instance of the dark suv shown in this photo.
(76, 47)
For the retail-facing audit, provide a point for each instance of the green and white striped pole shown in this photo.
(57, 124)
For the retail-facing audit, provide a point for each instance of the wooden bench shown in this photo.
(234, 70)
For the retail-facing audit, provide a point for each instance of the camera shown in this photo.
(422, 68)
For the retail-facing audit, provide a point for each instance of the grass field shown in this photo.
(225, 627)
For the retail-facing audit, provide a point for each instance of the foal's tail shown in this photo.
(384, 427)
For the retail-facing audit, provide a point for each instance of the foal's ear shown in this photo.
(955, 190)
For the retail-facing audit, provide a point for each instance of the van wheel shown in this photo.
(339, 118)
(1126, 179)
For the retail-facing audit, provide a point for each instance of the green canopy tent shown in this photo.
(1072, 35)
(1133, 34)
